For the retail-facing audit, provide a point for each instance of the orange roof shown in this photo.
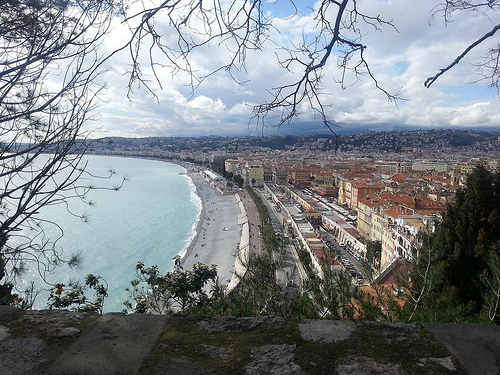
(399, 177)
(372, 202)
(386, 195)
(398, 270)
(398, 211)
(428, 204)
(405, 200)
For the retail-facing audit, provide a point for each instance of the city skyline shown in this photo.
(401, 59)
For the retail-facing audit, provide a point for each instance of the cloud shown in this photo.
(206, 104)
(401, 58)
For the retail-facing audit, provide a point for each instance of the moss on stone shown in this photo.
(377, 348)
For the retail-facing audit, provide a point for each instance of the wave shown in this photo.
(196, 200)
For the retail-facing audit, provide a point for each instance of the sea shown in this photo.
(152, 218)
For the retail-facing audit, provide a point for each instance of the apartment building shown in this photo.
(267, 173)
(350, 192)
(366, 208)
(253, 172)
(322, 176)
(326, 190)
(279, 175)
(300, 176)
(424, 165)
(232, 166)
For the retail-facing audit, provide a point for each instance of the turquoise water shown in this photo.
(151, 219)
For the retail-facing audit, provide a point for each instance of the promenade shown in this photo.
(228, 228)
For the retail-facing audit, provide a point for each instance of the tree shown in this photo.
(49, 64)
(174, 291)
(491, 279)
(468, 232)
(217, 167)
(52, 56)
(73, 296)
(374, 252)
(6, 295)
(239, 180)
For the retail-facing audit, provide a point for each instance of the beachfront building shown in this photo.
(253, 172)
(218, 158)
(232, 166)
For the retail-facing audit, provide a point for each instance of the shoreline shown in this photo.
(199, 222)
(227, 243)
(219, 230)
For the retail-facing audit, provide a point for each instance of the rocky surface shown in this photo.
(61, 342)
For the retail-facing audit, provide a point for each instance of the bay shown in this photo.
(151, 218)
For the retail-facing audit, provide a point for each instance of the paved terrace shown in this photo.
(62, 342)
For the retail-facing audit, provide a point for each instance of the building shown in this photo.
(350, 192)
(299, 176)
(232, 166)
(279, 176)
(424, 165)
(253, 173)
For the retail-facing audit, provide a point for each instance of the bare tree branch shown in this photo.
(49, 64)
(312, 57)
(429, 81)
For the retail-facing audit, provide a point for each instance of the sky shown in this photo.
(400, 60)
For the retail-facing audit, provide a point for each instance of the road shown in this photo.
(358, 266)
(292, 272)
(253, 223)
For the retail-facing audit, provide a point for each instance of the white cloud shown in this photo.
(206, 104)
(222, 104)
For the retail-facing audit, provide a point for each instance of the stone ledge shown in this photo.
(62, 342)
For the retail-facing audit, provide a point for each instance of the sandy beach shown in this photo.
(220, 231)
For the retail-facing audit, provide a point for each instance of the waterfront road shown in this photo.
(292, 272)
